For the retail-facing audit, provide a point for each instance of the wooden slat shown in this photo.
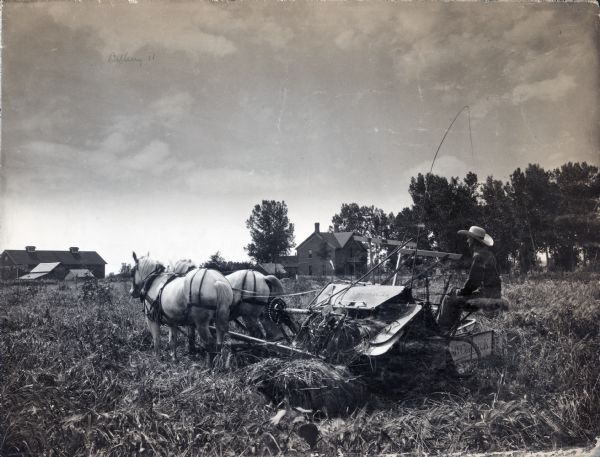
(365, 239)
(423, 253)
(409, 249)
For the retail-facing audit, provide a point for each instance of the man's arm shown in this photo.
(475, 276)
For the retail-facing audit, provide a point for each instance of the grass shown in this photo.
(79, 378)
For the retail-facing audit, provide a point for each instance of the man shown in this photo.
(483, 282)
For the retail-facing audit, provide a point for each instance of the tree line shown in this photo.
(536, 212)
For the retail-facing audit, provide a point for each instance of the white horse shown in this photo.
(194, 299)
(252, 292)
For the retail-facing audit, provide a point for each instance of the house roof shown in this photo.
(336, 240)
(22, 257)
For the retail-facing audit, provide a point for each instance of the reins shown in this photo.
(235, 289)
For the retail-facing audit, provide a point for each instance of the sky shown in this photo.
(156, 126)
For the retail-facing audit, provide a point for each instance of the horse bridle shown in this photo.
(147, 281)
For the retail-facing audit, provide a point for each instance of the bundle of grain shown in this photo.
(311, 384)
(333, 337)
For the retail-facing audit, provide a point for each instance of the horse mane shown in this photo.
(146, 266)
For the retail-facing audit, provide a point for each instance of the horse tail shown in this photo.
(275, 285)
(224, 301)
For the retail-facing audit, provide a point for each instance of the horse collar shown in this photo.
(148, 282)
(155, 312)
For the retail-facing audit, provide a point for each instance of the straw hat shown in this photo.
(479, 234)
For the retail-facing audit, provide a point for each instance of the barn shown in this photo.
(15, 263)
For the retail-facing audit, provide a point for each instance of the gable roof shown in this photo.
(336, 240)
(23, 257)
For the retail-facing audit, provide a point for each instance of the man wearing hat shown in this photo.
(483, 282)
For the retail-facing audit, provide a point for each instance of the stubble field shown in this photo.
(78, 377)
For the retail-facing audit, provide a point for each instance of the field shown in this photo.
(78, 377)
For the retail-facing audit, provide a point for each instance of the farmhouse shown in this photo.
(325, 253)
(15, 263)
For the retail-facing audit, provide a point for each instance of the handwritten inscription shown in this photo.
(125, 58)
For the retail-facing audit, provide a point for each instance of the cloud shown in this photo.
(171, 108)
(235, 181)
(131, 28)
(154, 158)
(274, 34)
(552, 89)
(525, 27)
(40, 166)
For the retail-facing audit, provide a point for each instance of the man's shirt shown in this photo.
(484, 279)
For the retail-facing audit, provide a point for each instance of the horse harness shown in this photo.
(234, 312)
(155, 312)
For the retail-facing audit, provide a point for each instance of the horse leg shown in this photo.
(155, 332)
(192, 339)
(173, 341)
(222, 327)
(255, 328)
(204, 334)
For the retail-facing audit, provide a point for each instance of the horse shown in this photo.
(183, 266)
(252, 292)
(193, 299)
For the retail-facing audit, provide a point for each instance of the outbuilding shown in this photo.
(15, 263)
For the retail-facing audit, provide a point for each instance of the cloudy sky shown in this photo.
(157, 127)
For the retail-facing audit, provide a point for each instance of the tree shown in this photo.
(366, 220)
(498, 217)
(576, 227)
(323, 252)
(445, 206)
(535, 204)
(271, 231)
(215, 262)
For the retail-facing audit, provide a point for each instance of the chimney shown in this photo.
(74, 250)
(317, 230)
(30, 248)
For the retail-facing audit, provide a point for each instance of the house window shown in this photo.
(310, 253)
(310, 270)
(324, 271)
